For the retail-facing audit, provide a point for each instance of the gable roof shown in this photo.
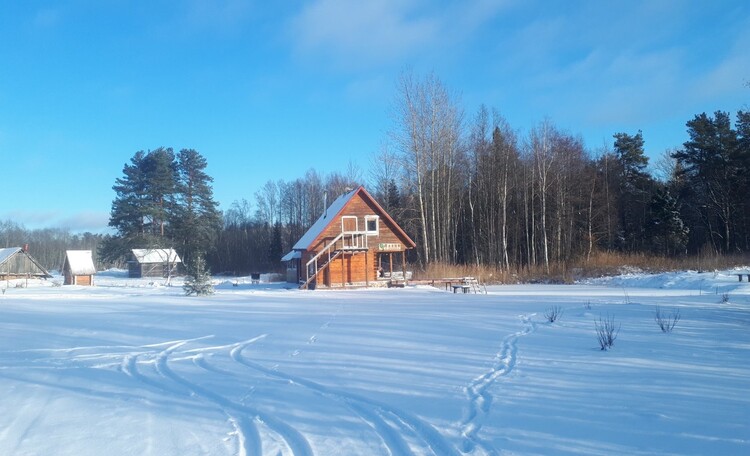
(335, 209)
(324, 220)
(156, 256)
(80, 262)
(9, 252)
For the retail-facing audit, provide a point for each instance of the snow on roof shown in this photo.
(292, 255)
(7, 253)
(324, 220)
(80, 262)
(156, 256)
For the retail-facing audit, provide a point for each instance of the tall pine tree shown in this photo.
(197, 219)
(635, 189)
(711, 164)
(143, 204)
(163, 201)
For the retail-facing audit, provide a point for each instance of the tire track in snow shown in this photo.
(477, 392)
(247, 432)
(369, 410)
(394, 443)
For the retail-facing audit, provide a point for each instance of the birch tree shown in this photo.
(427, 134)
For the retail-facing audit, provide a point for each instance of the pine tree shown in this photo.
(197, 219)
(635, 188)
(143, 211)
(143, 204)
(198, 280)
(713, 168)
(161, 190)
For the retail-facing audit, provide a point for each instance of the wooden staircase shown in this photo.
(345, 242)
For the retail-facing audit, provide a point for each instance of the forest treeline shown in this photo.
(469, 189)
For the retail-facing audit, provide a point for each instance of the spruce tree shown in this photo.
(275, 247)
(198, 280)
(666, 229)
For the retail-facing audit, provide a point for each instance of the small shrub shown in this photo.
(606, 332)
(198, 280)
(666, 322)
(553, 313)
(725, 298)
(587, 306)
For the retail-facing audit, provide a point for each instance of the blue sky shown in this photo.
(266, 90)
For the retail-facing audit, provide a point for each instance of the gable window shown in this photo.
(371, 224)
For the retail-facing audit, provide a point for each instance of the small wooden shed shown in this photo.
(353, 243)
(17, 263)
(78, 267)
(153, 263)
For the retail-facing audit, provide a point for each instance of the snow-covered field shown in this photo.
(134, 368)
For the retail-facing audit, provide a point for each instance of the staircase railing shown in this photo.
(314, 261)
(350, 241)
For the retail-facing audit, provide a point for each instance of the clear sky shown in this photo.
(266, 90)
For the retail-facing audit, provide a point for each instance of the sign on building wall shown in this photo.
(389, 247)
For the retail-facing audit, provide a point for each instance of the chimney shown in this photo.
(26, 247)
(325, 203)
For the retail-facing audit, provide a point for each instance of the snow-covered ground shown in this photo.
(130, 367)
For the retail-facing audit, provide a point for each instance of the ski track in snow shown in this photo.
(478, 394)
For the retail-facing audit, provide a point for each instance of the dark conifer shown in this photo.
(197, 219)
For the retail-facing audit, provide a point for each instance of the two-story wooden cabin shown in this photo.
(355, 242)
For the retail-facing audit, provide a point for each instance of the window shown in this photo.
(371, 224)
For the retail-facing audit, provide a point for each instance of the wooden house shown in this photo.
(17, 263)
(78, 267)
(153, 263)
(355, 242)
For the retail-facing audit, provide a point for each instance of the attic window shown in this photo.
(371, 224)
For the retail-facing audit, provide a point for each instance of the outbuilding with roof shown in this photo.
(153, 263)
(17, 263)
(78, 267)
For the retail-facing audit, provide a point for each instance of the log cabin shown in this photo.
(78, 268)
(153, 263)
(354, 243)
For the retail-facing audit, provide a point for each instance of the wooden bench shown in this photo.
(463, 287)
